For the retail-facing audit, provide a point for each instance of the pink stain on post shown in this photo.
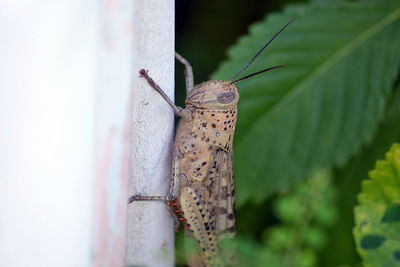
(110, 231)
(111, 205)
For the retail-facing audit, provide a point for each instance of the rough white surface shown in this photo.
(150, 228)
(47, 77)
(76, 123)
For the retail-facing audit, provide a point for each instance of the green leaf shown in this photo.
(377, 230)
(341, 60)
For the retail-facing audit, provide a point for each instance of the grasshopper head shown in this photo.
(213, 95)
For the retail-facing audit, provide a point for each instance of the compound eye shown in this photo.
(226, 97)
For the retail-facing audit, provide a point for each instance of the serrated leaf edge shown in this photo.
(377, 27)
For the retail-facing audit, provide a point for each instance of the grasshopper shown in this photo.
(202, 184)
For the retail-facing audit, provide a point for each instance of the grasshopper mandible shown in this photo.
(202, 185)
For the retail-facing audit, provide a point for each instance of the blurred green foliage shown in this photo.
(335, 107)
(304, 214)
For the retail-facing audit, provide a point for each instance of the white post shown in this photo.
(76, 120)
(150, 228)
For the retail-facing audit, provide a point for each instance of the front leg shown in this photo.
(189, 79)
(177, 110)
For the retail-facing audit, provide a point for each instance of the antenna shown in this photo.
(256, 73)
(260, 51)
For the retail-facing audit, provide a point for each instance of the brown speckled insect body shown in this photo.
(202, 163)
(202, 185)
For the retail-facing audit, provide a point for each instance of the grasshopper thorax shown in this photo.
(213, 95)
